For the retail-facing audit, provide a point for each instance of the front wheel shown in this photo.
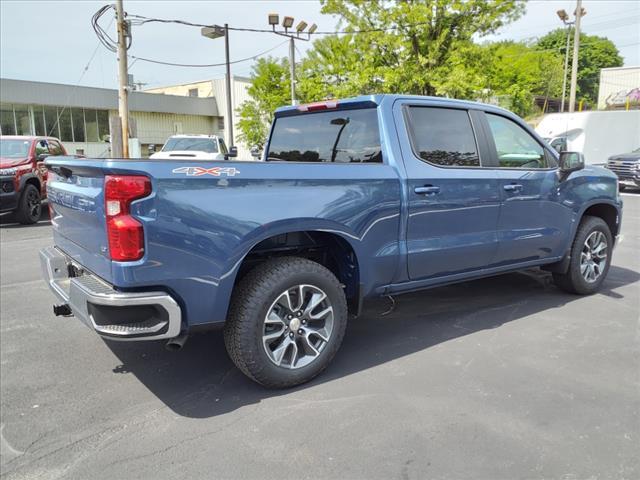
(590, 258)
(287, 321)
(30, 205)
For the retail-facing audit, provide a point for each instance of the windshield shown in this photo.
(10, 148)
(208, 145)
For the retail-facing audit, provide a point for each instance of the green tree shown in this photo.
(595, 53)
(270, 89)
(409, 43)
(516, 72)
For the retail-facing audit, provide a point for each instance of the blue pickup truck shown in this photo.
(357, 198)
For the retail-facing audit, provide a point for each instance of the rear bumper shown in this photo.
(110, 313)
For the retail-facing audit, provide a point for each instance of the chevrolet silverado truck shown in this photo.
(23, 178)
(358, 198)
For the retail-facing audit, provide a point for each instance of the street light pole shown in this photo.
(216, 32)
(292, 69)
(566, 66)
(287, 23)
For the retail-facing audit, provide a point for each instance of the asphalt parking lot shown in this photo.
(502, 378)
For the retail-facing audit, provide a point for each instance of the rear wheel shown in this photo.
(287, 320)
(30, 205)
(590, 258)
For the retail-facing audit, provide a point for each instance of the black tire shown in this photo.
(621, 187)
(253, 298)
(573, 281)
(30, 205)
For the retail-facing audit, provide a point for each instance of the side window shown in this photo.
(55, 148)
(42, 147)
(516, 147)
(443, 136)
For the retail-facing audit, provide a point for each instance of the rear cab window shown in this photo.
(337, 136)
(207, 145)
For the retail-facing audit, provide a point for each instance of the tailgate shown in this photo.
(75, 193)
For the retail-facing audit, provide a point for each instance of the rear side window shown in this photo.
(341, 136)
(443, 136)
(516, 147)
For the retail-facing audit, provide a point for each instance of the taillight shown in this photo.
(125, 233)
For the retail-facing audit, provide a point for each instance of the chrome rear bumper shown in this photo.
(112, 314)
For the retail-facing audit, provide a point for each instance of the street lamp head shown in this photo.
(312, 28)
(301, 26)
(287, 22)
(274, 19)
(212, 32)
(563, 15)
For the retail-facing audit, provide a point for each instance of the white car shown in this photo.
(194, 147)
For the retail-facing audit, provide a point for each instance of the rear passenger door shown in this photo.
(453, 203)
(533, 222)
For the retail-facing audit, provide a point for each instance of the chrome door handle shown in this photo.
(512, 187)
(427, 190)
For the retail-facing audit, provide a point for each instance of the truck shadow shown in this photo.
(8, 220)
(200, 381)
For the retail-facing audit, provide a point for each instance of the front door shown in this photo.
(453, 202)
(533, 222)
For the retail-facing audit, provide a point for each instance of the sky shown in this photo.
(52, 41)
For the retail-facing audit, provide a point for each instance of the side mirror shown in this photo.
(571, 162)
(255, 151)
(233, 152)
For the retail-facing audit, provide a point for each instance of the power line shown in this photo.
(200, 65)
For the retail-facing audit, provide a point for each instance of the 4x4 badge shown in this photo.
(214, 171)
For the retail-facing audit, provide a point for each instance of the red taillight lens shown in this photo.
(311, 107)
(125, 233)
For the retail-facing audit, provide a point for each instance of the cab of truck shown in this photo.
(194, 147)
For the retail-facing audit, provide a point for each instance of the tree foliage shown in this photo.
(595, 53)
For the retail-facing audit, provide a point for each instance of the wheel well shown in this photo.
(33, 181)
(327, 249)
(606, 212)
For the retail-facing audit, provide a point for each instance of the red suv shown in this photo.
(23, 178)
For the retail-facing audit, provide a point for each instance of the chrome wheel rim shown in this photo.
(593, 258)
(297, 326)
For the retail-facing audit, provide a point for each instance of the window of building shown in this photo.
(91, 125)
(51, 122)
(103, 124)
(443, 136)
(221, 123)
(515, 147)
(7, 124)
(193, 92)
(77, 117)
(343, 136)
(64, 122)
(23, 120)
(38, 120)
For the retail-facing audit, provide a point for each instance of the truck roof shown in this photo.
(364, 101)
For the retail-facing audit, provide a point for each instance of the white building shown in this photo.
(217, 89)
(619, 88)
(79, 116)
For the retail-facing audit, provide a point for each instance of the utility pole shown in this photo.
(123, 89)
(566, 66)
(292, 69)
(229, 111)
(574, 64)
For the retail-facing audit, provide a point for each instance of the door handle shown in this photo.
(512, 187)
(427, 190)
